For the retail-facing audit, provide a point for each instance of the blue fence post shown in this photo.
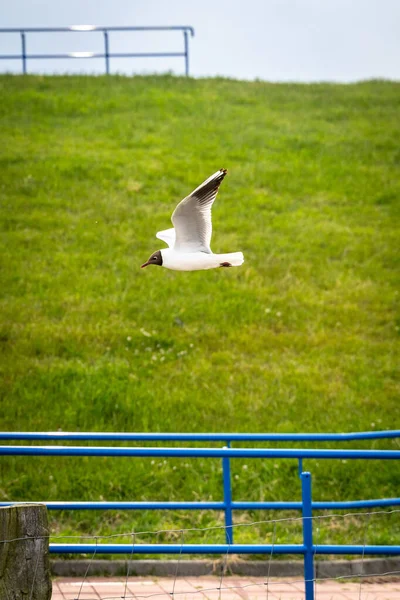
(185, 35)
(226, 474)
(300, 467)
(23, 56)
(307, 534)
(106, 52)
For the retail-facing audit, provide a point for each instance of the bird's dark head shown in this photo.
(155, 259)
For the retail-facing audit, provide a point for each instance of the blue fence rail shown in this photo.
(308, 549)
(107, 436)
(107, 54)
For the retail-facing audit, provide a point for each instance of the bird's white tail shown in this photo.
(234, 259)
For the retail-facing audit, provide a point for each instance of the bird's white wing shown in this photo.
(192, 216)
(167, 236)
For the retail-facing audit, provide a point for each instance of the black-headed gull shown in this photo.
(189, 239)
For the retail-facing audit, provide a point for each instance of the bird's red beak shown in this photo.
(145, 264)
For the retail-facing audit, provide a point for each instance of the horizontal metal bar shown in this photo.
(126, 505)
(200, 437)
(11, 56)
(350, 504)
(92, 55)
(359, 549)
(198, 452)
(218, 549)
(90, 28)
(71, 505)
(175, 549)
(356, 504)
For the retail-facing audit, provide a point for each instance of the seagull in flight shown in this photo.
(189, 239)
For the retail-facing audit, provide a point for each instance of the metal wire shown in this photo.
(364, 544)
(270, 558)
(268, 583)
(87, 571)
(248, 585)
(177, 565)
(212, 528)
(129, 564)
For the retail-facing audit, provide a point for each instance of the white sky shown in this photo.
(278, 40)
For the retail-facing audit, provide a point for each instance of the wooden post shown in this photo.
(24, 553)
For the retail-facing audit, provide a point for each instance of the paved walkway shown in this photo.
(206, 588)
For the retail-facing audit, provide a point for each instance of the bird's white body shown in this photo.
(198, 261)
(189, 239)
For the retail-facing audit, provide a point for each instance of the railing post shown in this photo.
(226, 474)
(307, 535)
(106, 52)
(23, 56)
(300, 467)
(185, 35)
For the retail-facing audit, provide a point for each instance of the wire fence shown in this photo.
(135, 543)
(222, 586)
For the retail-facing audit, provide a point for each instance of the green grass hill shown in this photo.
(303, 337)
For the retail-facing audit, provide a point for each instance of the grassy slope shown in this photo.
(303, 337)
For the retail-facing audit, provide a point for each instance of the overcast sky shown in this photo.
(278, 40)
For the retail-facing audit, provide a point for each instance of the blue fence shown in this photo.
(107, 54)
(307, 549)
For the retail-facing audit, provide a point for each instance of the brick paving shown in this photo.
(205, 588)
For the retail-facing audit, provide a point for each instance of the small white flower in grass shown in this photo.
(144, 332)
(236, 476)
(174, 468)
(129, 339)
(245, 467)
(154, 357)
(267, 310)
(344, 460)
(152, 462)
(278, 314)
(51, 477)
(372, 424)
(276, 466)
(186, 465)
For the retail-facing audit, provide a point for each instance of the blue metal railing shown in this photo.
(197, 437)
(185, 29)
(307, 549)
